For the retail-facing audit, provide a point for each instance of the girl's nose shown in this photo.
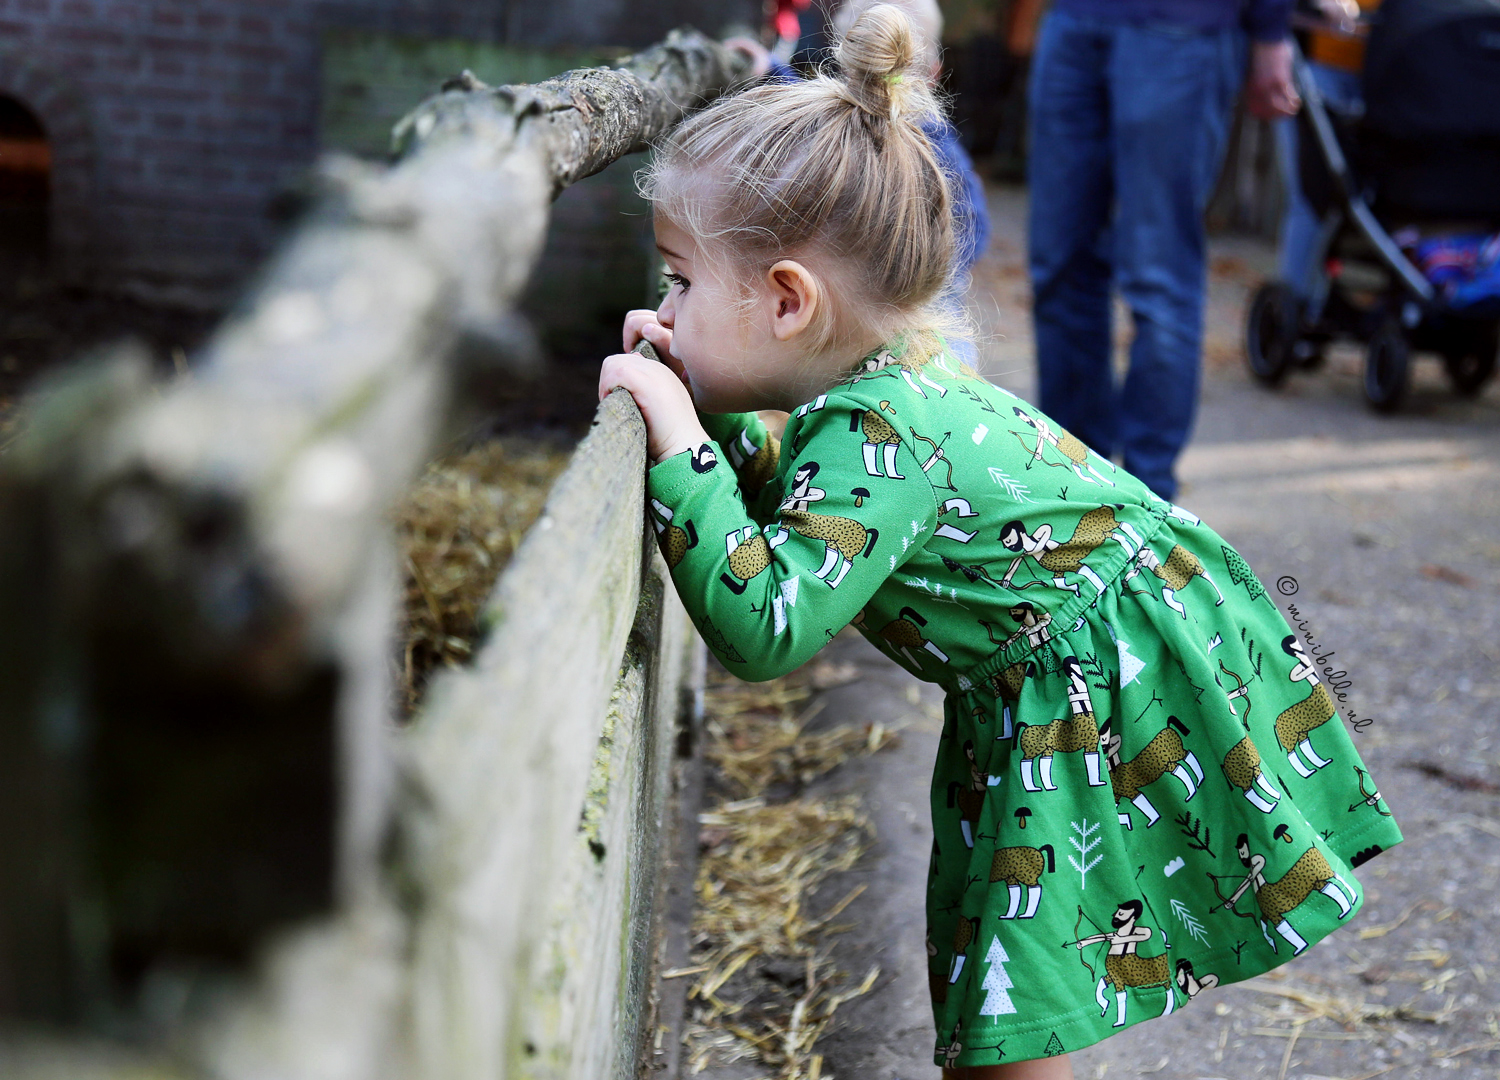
(667, 313)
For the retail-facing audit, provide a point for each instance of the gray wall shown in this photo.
(174, 123)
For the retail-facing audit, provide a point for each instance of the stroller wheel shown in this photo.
(1271, 332)
(1469, 372)
(1471, 364)
(1387, 367)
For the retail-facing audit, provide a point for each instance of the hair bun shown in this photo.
(878, 55)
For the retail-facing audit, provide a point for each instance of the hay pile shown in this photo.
(767, 986)
(456, 529)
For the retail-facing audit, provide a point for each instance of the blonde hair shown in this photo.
(835, 172)
(926, 19)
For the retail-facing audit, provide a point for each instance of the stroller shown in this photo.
(1421, 166)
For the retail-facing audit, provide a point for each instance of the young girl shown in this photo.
(1142, 788)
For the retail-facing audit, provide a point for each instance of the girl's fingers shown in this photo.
(661, 338)
(635, 322)
(671, 421)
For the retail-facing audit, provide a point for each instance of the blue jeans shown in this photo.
(1128, 126)
(1299, 228)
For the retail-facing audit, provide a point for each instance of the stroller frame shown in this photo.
(1283, 332)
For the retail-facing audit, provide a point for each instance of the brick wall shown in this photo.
(175, 122)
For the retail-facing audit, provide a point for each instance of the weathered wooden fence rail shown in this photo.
(197, 590)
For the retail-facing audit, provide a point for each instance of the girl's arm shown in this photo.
(767, 597)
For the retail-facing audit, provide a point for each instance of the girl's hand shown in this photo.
(671, 421)
(641, 325)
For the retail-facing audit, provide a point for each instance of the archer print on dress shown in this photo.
(1294, 727)
(1074, 453)
(1278, 899)
(1058, 558)
(1041, 669)
(1077, 731)
(844, 538)
(1176, 573)
(1124, 967)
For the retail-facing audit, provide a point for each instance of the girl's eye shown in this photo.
(676, 279)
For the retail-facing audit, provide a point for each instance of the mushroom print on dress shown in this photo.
(1088, 694)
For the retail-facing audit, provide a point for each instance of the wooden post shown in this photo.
(204, 569)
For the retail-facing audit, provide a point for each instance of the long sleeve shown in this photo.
(766, 597)
(753, 453)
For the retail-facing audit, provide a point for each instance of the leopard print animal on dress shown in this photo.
(1242, 769)
(1072, 447)
(845, 538)
(674, 545)
(1177, 572)
(1021, 865)
(904, 635)
(1157, 758)
(1008, 683)
(761, 467)
(1065, 736)
(749, 554)
(1297, 722)
(881, 441)
(1061, 736)
(1180, 568)
(963, 936)
(970, 803)
(875, 428)
(1164, 754)
(750, 558)
(844, 535)
(754, 466)
(1135, 972)
(1309, 874)
(1094, 530)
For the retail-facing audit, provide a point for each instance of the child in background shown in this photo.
(1126, 708)
(971, 216)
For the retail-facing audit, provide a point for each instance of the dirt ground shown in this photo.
(1382, 532)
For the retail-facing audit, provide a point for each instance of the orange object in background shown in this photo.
(25, 168)
(24, 155)
(1344, 51)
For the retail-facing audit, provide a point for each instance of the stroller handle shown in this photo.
(1354, 200)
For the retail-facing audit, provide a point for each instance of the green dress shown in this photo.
(1126, 708)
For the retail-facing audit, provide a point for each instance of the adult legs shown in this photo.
(1172, 91)
(1070, 191)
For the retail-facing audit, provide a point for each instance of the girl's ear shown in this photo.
(795, 297)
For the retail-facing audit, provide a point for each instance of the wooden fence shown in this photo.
(220, 854)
